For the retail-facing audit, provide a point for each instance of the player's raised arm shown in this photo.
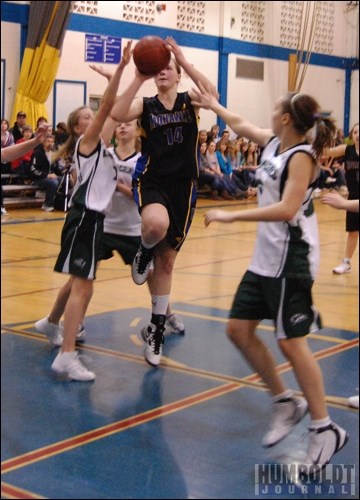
(190, 69)
(15, 151)
(205, 98)
(91, 136)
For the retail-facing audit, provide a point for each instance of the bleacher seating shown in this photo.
(20, 192)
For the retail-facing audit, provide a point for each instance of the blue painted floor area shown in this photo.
(188, 429)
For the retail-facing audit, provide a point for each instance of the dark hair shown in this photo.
(305, 113)
(40, 119)
(62, 126)
(6, 121)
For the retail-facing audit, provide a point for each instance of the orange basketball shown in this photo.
(151, 55)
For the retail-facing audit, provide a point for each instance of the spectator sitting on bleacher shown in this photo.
(225, 136)
(332, 176)
(213, 134)
(13, 151)
(45, 173)
(17, 129)
(21, 166)
(61, 134)
(245, 163)
(208, 177)
(202, 137)
(226, 168)
(40, 121)
(212, 159)
(7, 140)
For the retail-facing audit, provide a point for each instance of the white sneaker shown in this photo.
(343, 268)
(3, 211)
(285, 415)
(47, 209)
(174, 324)
(56, 332)
(51, 330)
(154, 340)
(330, 180)
(324, 443)
(353, 401)
(141, 265)
(69, 364)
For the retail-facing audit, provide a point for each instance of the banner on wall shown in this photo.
(102, 49)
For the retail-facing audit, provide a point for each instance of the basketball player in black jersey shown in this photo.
(164, 181)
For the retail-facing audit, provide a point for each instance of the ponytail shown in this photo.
(324, 135)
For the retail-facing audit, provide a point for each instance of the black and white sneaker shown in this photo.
(141, 265)
(154, 339)
(324, 443)
(285, 415)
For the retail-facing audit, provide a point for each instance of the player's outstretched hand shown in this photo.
(176, 50)
(127, 53)
(41, 132)
(335, 200)
(102, 71)
(204, 97)
(215, 215)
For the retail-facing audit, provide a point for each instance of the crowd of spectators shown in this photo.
(227, 166)
(37, 165)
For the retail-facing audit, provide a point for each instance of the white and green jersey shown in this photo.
(96, 178)
(284, 248)
(123, 217)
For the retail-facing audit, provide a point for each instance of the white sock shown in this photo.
(322, 422)
(146, 245)
(159, 304)
(69, 354)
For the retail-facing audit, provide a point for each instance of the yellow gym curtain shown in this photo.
(47, 26)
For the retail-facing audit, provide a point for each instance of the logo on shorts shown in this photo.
(80, 263)
(298, 318)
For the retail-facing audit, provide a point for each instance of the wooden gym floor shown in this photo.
(191, 428)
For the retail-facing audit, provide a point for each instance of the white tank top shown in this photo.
(123, 218)
(284, 248)
(96, 178)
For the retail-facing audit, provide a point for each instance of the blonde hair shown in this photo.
(68, 148)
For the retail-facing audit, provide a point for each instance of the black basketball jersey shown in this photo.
(168, 139)
(352, 172)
